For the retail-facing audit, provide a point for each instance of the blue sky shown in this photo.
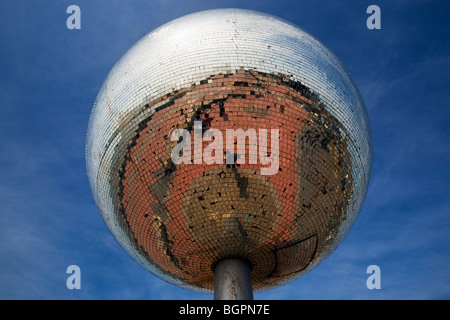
(50, 76)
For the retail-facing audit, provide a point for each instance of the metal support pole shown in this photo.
(232, 280)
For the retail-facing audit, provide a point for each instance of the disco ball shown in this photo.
(182, 91)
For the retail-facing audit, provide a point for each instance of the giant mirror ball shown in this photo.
(228, 69)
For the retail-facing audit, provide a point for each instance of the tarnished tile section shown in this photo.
(229, 69)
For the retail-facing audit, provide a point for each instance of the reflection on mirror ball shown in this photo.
(228, 69)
